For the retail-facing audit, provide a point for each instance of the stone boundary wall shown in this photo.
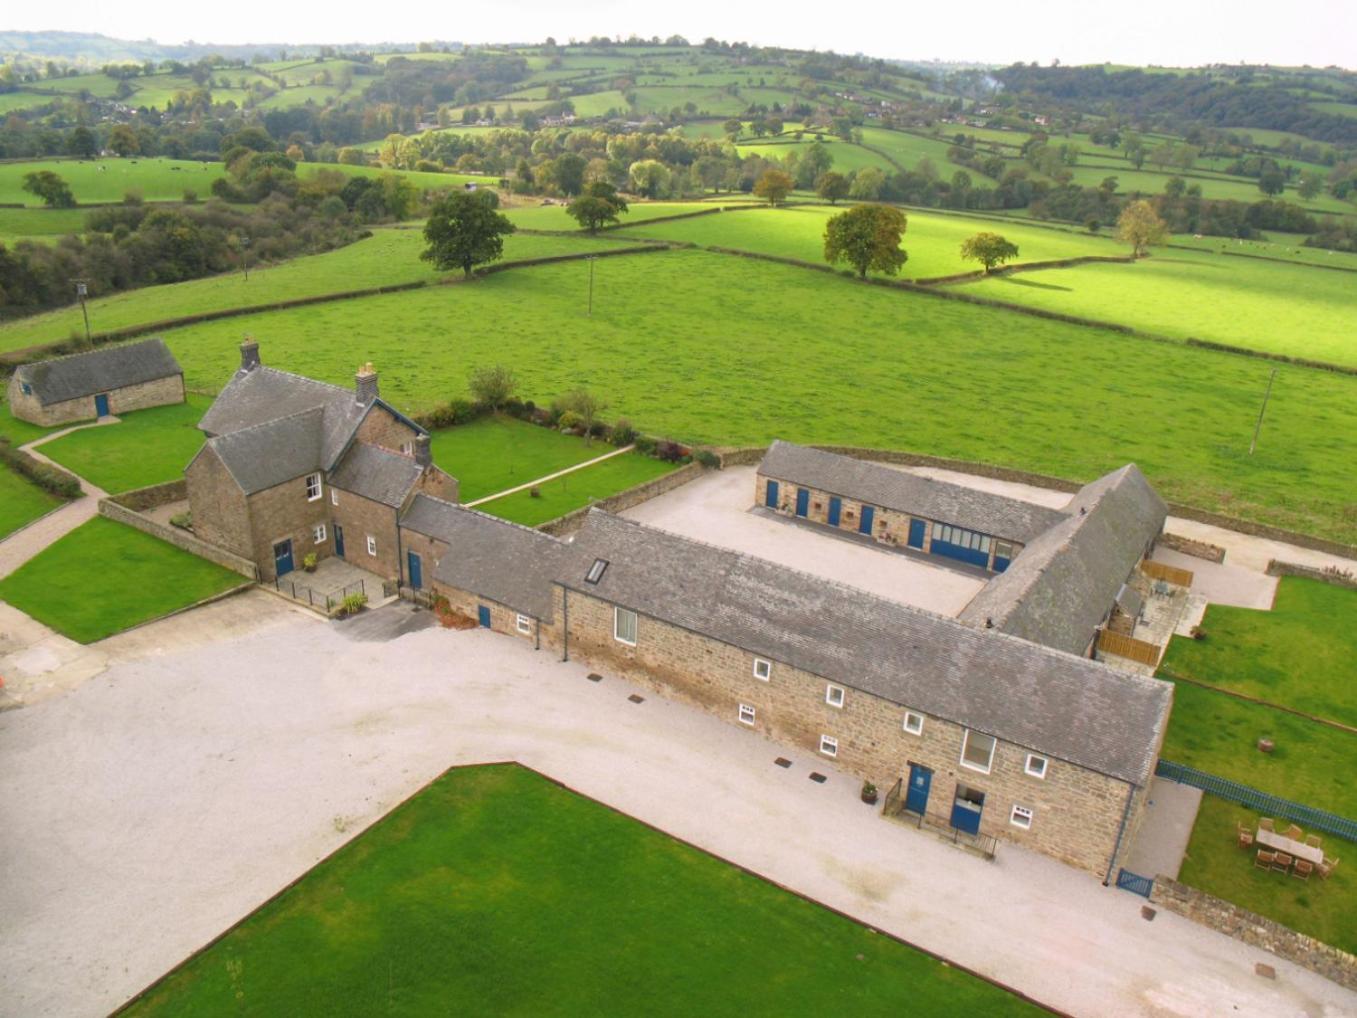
(1197, 549)
(1256, 931)
(1276, 567)
(1008, 270)
(141, 499)
(572, 521)
(181, 539)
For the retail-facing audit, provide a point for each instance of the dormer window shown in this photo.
(596, 571)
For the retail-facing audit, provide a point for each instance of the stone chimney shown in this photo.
(423, 453)
(249, 354)
(365, 384)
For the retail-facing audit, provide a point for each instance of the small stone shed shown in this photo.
(85, 386)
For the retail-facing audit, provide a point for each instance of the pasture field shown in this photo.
(494, 890)
(555, 217)
(914, 371)
(41, 222)
(104, 577)
(574, 491)
(1288, 247)
(907, 149)
(1295, 310)
(848, 158)
(21, 501)
(497, 453)
(12, 101)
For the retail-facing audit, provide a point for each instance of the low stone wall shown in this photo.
(141, 499)
(179, 538)
(1276, 567)
(1197, 549)
(623, 500)
(1256, 931)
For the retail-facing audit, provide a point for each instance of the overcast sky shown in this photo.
(1166, 32)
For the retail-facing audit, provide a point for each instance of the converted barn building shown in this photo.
(85, 386)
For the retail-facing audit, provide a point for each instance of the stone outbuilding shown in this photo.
(85, 386)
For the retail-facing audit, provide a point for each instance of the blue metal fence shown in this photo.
(1306, 816)
(1134, 883)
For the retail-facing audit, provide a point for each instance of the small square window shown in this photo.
(746, 714)
(334, 496)
(312, 487)
(914, 723)
(829, 745)
(372, 545)
(28, 389)
(624, 626)
(1021, 817)
(1036, 765)
(318, 534)
(408, 448)
(596, 571)
(523, 624)
(977, 751)
(763, 670)
(834, 695)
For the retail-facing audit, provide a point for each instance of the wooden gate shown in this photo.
(1128, 647)
(1169, 574)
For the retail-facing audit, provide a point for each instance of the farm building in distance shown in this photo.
(85, 386)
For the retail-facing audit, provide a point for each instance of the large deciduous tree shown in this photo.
(465, 230)
(51, 188)
(989, 249)
(832, 186)
(599, 205)
(1140, 226)
(773, 185)
(867, 237)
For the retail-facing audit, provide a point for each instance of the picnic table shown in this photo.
(1296, 849)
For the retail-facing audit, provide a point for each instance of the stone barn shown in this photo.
(86, 386)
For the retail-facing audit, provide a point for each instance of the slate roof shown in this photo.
(1061, 586)
(982, 511)
(269, 454)
(102, 370)
(1057, 704)
(376, 473)
(490, 557)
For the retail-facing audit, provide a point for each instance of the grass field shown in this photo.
(847, 157)
(555, 217)
(39, 224)
(573, 491)
(494, 891)
(21, 501)
(913, 372)
(1287, 247)
(104, 577)
(146, 447)
(1298, 655)
(497, 453)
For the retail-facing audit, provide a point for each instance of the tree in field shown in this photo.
(1272, 182)
(732, 128)
(492, 386)
(123, 140)
(464, 230)
(773, 185)
(867, 184)
(867, 237)
(1310, 185)
(816, 162)
(599, 205)
(51, 188)
(568, 172)
(586, 406)
(989, 249)
(649, 177)
(832, 187)
(1140, 226)
(82, 143)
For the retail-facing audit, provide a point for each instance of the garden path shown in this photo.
(549, 477)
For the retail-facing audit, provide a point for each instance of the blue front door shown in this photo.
(416, 568)
(917, 529)
(966, 809)
(802, 501)
(868, 515)
(339, 540)
(483, 615)
(835, 507)
(101, 406)
(282, 558)
(916, 799)
(770, 496)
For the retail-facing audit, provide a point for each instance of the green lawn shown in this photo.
(104, 577)
(21, 501)
(497, 453)
(1298, 655)
(146, 447)
(565, 494)
(494, 891)
(1323, 909)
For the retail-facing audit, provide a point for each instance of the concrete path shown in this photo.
(549, 477)
(152, 807)
(1164, 833)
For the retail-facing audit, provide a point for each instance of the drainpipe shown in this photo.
(565, 623)
(537, 634)
(1121, 833)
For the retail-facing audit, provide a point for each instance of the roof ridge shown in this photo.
(303, 378)
(100, 349)
(488, 516)
(266, 424)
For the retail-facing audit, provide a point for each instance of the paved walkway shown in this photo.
(550, 477)
(146, 811)
(1164, 833)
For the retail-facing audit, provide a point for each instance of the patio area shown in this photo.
(329, 583)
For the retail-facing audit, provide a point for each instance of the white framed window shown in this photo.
(334, 497)
(834, 695)
(318, 533)
(746, 714)
(1021, 817)
(829, 745)
(372, 545)
(408, 448)
(1036, 765)
(914, 723)
(312, 487)
(523, 624)
(977, 751)
(763, 669)
(624, 626)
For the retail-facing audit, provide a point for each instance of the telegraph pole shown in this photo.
(81, 292)
(1262, 410)
(591, 286)
(245, 256)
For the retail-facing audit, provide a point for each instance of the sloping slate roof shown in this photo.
(502, 561)
(375, 473)
(883, 486)
(1058, 704)
(269, 454)
(110, 367)
(1062, 584)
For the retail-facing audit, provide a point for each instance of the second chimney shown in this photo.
(365, 384)
(249, 354)
(423, 452)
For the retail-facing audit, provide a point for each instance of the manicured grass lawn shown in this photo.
(497, 453)
(572, 491)
(21, 501)
(1299, 655)
(1323, 909)
(1289, 309)
(146, 447)
(494, 891)
(104, 577)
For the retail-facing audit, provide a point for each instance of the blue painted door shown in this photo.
(868, 515)
(101, 405)
(917, 529)
(339, 540)
(802, 501)
(770, 495)
(282, 558)
(974, 556)
(1000, 563)
(483, 615)
(416, 569)
(916, 799)
(835, 508)
(966, 813)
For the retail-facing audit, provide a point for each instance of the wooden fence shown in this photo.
(1129, 647)
(1169, 574)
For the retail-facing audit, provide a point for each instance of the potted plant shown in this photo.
(309, 562)
(869, 793)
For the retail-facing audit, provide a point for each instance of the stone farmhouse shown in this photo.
(85, 386)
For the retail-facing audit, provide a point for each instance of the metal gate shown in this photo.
(1134, 883)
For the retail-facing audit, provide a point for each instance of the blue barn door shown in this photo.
(101, 405)
(483, 616)
(916, 799)
(802, 501)
(339, 540)
(966, 809)
(835, 508)
(416, 570)
(868, 515)
(917, 529)
(770, 496)
(282, 558)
